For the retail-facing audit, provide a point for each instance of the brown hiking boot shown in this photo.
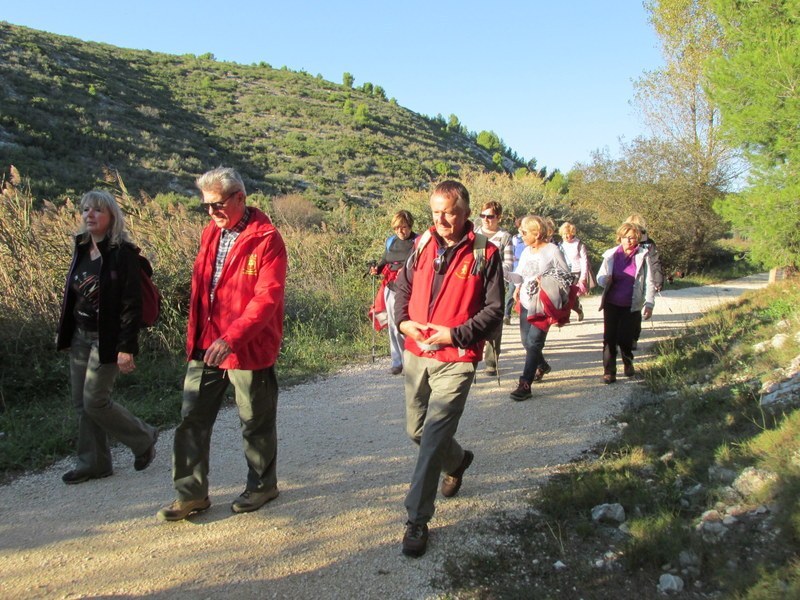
(180, 509)
(523, 391)
(452, 481)
(250, 500)
(415, 540)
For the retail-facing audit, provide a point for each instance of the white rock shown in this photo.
(558, 565)
(608, 513)
(670, 583)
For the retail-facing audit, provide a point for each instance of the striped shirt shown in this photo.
(226, 240)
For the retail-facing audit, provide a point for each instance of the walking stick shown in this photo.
(373, 319)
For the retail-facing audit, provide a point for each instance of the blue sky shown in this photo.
(552, 79)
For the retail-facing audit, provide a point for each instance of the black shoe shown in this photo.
(609, 378)
(250, 500)
(523, 391)
(415, 540)
(541, 372)
(629, 370)
(490, 372)
(79, 476)
(507, 321)
(452, 481)
(141, 462)
(396, 370)
(181, 509)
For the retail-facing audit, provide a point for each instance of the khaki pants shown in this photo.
(436, 393)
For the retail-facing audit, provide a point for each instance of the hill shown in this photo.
(71, 109)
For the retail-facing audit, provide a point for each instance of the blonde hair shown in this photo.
(627, 228)
(532, 222)
(566, 229)
(102, 200)
(402, 217)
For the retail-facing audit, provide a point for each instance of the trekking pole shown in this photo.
(373, 319)
(496, 361)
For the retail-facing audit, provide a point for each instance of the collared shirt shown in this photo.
(226, 240)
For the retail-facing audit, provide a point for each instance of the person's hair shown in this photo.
(637, 220)
(402, 217)
(551, 226)
(566, 229)
(453, 190)
(627, 228)
(102, 200)
(494, 205)
(532, 222)
(224, 180)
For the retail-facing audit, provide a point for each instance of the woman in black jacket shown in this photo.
(99, 324)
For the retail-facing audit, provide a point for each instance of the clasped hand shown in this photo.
(418, 331)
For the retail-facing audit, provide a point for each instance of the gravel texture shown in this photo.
(344, 465)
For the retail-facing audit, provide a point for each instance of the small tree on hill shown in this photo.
(361, 116)
(489, 140)
(348, 80)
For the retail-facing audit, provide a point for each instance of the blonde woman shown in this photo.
(99, 325)
(538, 258)
(575, 254)
(626, 275)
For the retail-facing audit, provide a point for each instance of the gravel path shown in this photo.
(344, 465)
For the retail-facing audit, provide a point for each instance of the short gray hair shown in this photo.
(224, 180)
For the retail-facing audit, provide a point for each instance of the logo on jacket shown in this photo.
(251, 266)
(463, 269)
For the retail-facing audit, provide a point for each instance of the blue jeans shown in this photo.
(533, 340)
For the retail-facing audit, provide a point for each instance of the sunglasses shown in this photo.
(484, 216)
(439, 263)
(215, 206)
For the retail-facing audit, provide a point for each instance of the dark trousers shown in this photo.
(619, 328)
(257, 400)
(533, 340)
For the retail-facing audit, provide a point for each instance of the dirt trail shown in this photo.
(343, 465)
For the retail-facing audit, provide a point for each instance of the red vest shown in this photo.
(460, 298)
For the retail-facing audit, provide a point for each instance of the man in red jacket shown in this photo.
(234, 335)
(449, 298)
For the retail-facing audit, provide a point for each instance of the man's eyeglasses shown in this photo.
(440, 263)
(485, 216)
(215, 206)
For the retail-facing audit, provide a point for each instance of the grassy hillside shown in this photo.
(69, 109)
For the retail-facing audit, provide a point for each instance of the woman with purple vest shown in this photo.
(626, 275)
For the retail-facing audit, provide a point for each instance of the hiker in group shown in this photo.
(100, 318)
(449, 299)
(629, 290)
(539, 259)
(518, 246)
(655, 260)
(233, 337)
(398, 248)
(574, 251)
(490, 215)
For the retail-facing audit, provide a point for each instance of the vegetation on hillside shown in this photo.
(71, 109)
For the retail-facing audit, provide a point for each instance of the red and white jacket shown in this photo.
(248, 304)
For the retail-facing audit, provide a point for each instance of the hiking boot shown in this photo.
(415, 540)
(580, 314)
(629, 370)
(396, 370)
(523, 391)
(452, 481)
(180, 509)
(489, 372)
(609, 378)
(507, 321)
(541, 372)
(141, 462)
(81, 475)
(250, 500)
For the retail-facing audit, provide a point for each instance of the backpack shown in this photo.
(151, 297)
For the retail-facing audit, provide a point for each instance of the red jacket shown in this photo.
(463, 294)
(247, 311)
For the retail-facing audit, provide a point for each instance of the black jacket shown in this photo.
(120, 306)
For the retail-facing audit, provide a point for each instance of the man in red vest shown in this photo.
(449, 298)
